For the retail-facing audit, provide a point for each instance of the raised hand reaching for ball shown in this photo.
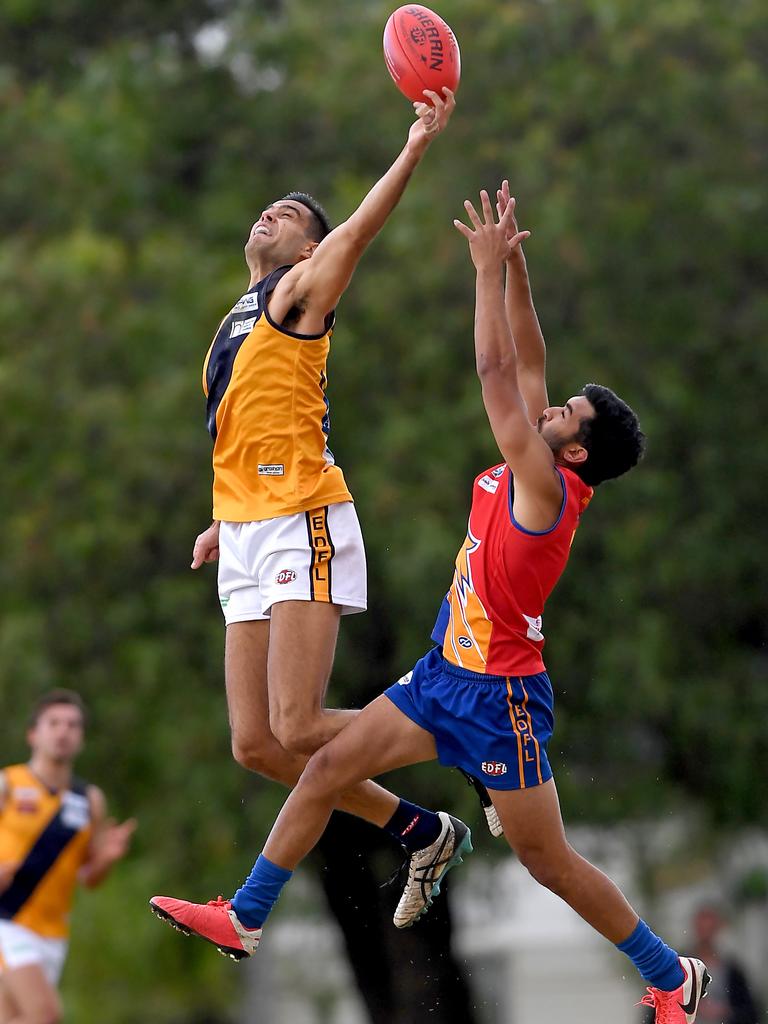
(490, 242)
(432, 116)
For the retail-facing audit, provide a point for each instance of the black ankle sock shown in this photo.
(413, 826)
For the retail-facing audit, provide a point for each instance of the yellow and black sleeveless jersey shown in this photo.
(47, 834)
(268, 414)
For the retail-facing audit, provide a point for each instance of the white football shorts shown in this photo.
(21, 947)
(310, 556)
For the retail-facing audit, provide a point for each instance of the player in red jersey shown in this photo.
(481, 700)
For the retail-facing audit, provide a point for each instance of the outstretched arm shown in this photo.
(538, 491)
(109, 842)
(521, 314)
(318, 283)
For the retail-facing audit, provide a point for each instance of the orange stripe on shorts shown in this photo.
(513, 719)
(530, 728)
(323, 551)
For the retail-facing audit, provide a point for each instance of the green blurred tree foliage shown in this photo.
(138, 141)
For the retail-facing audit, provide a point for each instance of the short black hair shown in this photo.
(59, 696)
(613, 438)
(321, 225)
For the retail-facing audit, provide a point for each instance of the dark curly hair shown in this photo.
(321, 225)
(613, 438)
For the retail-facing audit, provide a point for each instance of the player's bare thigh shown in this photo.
(302, 644)
(31, 995)
(245, 672)
(8, 1009)
(531, 819)
(381, 739)
(277, 673)
(245, 677)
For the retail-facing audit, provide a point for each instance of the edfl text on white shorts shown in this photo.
(311, 556)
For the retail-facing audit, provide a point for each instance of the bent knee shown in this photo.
(265, 756)
(296, 734)
(250, 755)
(552, 869)
(323, 773)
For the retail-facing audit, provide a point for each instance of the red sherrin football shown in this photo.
(421, 52)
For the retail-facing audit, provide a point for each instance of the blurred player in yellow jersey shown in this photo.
(285, 532)
(53, 833)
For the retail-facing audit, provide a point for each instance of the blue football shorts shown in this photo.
(494, 727)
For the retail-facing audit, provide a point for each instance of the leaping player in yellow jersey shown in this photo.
(285, 532)
(53, 833)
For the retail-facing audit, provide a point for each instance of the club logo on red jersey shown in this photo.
(285, 576)
(494, 768)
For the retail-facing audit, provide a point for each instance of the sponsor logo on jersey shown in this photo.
(406, 679)
(248, 301)
(26, 799)
(494, 768)
(75, 811)
(488, 485)
(242, 327)
(271, 469)
(465, 642)
(285, 576)
(499, 471)
(534, 627)
(223, 600)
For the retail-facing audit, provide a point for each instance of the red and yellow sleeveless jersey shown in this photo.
(490, 621)
(47, 834)
(268, 414)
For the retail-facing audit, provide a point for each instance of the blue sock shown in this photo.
(413, 826)
(658, 964)
(255, 899)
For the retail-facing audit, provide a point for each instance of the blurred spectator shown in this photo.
(729, 999)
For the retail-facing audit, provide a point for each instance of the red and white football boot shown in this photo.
(215, 921)
(680, 1006)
